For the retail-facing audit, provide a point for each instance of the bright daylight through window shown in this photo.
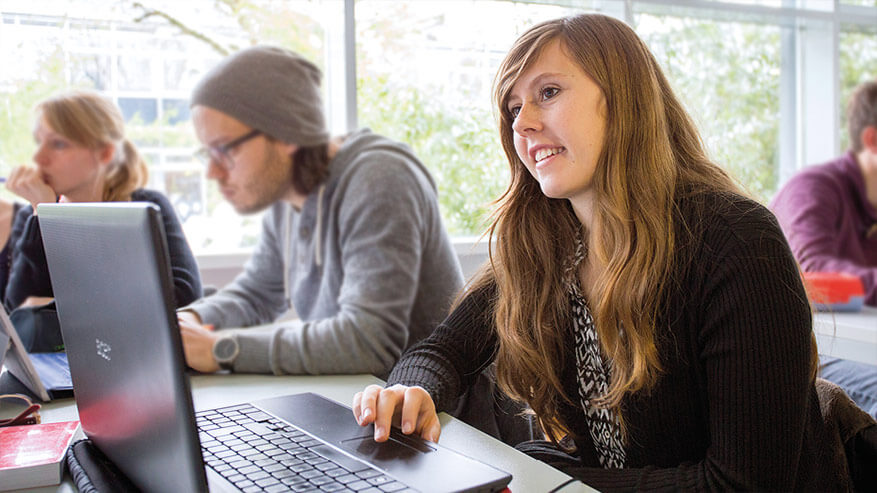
(422, 74)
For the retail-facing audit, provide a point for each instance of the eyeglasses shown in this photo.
(17, 409)
(220, 154)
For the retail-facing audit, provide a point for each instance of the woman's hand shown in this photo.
(28, 183)
(410, 408)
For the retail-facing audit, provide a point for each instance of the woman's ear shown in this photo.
(106, 153)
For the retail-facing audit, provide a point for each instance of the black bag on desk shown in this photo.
(38, 328)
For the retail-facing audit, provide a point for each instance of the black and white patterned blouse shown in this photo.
(592, 372)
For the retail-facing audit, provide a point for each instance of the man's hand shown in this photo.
(189, 317)
(198, 343)
(36, 300)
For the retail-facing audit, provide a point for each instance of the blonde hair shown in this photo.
(651, 154)
(93, 121)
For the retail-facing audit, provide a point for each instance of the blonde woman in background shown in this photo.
(82, 155)
(650, 314)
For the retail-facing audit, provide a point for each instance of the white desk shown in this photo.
(850, 336)
(209, 391)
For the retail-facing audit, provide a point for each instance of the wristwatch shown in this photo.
(226, 350)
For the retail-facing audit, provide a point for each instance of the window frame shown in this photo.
(810, 82)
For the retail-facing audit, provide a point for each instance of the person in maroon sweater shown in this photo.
(829, 215)
(829, 211)
(651, 316)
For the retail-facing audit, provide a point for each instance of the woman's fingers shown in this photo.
(431, 427)
(411, 408)
(13, 181)
(27, 183)
(418, 414)
(364, 407)
(416, 401)
(389, 401)
(357, 406)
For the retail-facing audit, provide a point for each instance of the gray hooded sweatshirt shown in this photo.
(366, 264)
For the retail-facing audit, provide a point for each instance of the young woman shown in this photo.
(83, 156)
(651, 316)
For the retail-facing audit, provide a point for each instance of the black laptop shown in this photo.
(112, 282)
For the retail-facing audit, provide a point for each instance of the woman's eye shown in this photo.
(514, 111)
(58, 144)
(549, 92)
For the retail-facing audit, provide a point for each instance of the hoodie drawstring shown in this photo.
(287, 250)
(318, 252)
(287, 243)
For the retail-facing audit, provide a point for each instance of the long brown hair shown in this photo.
(651, 151)
(93, 121)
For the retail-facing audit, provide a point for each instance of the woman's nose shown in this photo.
(527, 120)
(40, 156)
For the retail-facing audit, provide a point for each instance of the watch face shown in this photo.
(225, 350)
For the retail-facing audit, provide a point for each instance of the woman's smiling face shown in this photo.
(559, 124)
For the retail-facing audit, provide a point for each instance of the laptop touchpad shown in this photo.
(394, 449)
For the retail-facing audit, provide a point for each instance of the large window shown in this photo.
(766, 80)
(147, 57)
(427, 81)
(727, 74)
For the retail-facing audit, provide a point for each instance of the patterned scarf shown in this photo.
(592, 372)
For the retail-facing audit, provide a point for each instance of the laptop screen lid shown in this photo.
(112, 282)
(111, 276)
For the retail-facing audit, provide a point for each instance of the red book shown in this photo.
(33, 455)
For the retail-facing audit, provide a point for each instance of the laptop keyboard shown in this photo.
(257, 452)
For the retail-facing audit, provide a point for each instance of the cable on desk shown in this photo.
(562, 485)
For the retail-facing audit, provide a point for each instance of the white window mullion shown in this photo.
(789, 89)
(340, 76)
(818, 98)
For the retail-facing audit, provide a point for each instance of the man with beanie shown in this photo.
(352, 239)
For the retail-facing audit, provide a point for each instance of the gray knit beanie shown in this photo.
(269, 89)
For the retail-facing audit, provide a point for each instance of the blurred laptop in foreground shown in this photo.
(111, 277)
